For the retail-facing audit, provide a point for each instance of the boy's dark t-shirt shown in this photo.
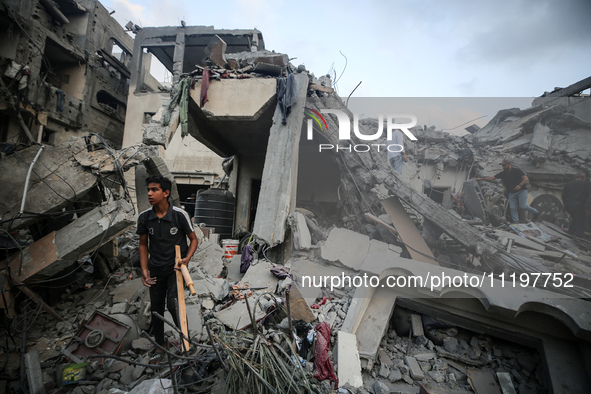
(164, 233)
(511, 178)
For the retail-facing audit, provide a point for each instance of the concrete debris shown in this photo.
(57, 180)
(327, 235)
(345, 246)
(301, 234)
(61, 248)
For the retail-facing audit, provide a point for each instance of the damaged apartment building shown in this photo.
(65, 68)
(306, 214)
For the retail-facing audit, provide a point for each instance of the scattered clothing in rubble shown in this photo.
(576, 196)
(280, 272)
(246, 258)
(285, 95)
(323, 368)
(304, 336)
(61, 97)
(320, 303)
(204, 87)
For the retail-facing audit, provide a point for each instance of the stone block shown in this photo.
(349, 365)
(384, 358)
(141, 344)
(425, 356)
(395, 375)
(210, 259)
(376, 318)
(236, 316)
(417, 325)
(194, 319)
(119, 308)
(414, 369)
(384, 371)
(301, 234)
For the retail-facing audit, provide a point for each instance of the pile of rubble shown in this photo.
(414, 349)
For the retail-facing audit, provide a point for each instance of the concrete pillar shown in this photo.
(278, 188)
(179, 55)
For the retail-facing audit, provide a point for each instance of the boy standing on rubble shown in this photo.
(161, 228)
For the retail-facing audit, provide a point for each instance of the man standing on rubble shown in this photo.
(161, 228)
(396, 154)
(515, 182)
(576, 196)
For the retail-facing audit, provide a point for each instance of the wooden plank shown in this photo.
(181, 300)
(36, 298)
(381, 223)
(415, 243)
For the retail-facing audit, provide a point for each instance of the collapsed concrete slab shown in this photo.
(508, 125)
(374, 321)
(59, 249)
(237, 317)
(468, 236)
(259, 276)
(417, 247)
(345, 246)
(491, 306)
(55, 180)
(541, 138)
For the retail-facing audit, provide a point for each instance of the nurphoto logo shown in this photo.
(344, 130)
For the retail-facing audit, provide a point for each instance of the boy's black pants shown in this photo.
(164, 291)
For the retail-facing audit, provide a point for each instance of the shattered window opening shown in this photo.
(119, 53)
(63, 69)
(110, 104)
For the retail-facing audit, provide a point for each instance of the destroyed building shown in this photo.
(65, 67)
(193, 165)
(311, 215)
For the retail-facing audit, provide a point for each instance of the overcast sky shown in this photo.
(406, 48)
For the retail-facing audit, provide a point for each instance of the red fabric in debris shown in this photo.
(317, 306)
(204, 87)
(323, 368)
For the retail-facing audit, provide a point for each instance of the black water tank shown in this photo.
(215, 208)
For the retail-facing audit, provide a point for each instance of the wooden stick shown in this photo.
(188, 279)
(181, 297)
(381, 223)
(36, 298)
